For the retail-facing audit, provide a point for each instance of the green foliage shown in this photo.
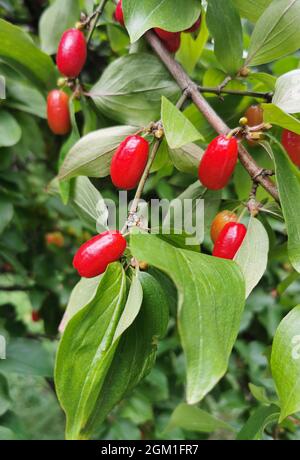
(170, 350)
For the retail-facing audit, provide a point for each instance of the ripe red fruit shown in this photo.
(58, 113)
(93, 257)
(219, 223)
(119, 16)
(129, 162)
(35, 316)
(218, 162)
(254, 115)
(194, 27)
(291, 143)
(229, 240)
(72, 53)
(171, 40)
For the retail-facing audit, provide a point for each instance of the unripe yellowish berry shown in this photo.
(243, 121)
(61, 82)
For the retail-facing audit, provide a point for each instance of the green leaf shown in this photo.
(251, 9)
(258, 422)
(131, 87)
(187, 158)
(287, 94)
(285, 363)
(142, 16)
(288, 182)
(192, 48)
(21, 95)
(136, 351)
(6, 213)
(259, 394)
(276, 33)
(10, 131)
(89, 337)
(18, 50)
(192, 418)
(211, 298)
(91, 155)
(82, 294)
(225, 26)
(276, 116)
(252, 257)
(28, 357)
(58, 17)
(178, 129)
(5, 400)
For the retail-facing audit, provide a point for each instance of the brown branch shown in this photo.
(235, 92)
(186, 84)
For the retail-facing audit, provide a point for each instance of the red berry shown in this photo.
(171, 40)
(119, 15)
(291, 143)
(219, 223)
(93, 257)
(229, 240)
(218, 162)
(194, 27)
(72, 53)
(58, 113)
(129, 162)
(55, 239)
(35, 316)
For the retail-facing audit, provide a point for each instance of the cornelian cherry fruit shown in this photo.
(254, 115)
(218, 162)
(171, 40)
(58, 113)
(129, 162)
(195, 26)
(55, 239)
(35, 316)
(72, 53)
(229, 240)
(291, 143)
(119, 16)
(93, 257)
(219, 223)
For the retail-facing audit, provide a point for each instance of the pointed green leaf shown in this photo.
(285, 363)
(178, 129)
(276, 116)
(130, 89)
(18, 50)
(191, 418)
(211, 299)
(252, 256)
(142, 16)
(224, 24)
(276, 33)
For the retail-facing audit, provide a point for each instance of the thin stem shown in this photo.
(139, 191)
(210, 90)
(186, 84)
(94, 17)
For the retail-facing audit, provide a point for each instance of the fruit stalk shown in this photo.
(186, 84)
(94, 17)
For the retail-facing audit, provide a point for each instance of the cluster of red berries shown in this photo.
(70, 59)
(130, 159)
(171, 40)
